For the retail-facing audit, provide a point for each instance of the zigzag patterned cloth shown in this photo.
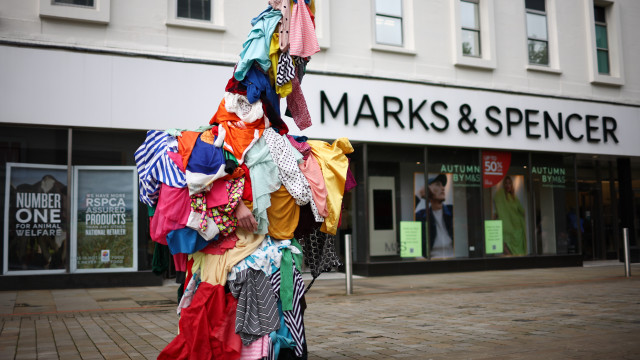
(257, 312)
(286, 69)
(293, 318)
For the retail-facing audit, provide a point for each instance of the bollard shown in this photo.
(625, 239)
(348, 271)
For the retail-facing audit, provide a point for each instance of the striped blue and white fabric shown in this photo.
(155, 166)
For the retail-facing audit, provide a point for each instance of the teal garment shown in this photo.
(256, 47)
(287, 262)
(264, 180)
(282, 337)
(151, 210)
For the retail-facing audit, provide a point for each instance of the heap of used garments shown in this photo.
(239, 201)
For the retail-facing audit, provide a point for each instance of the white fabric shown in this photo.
(443, 244)
(286, 157)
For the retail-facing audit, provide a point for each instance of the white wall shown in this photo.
(140, 26)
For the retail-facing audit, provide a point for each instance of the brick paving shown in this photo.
(568, 313)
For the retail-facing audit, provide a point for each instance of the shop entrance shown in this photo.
(598, 209)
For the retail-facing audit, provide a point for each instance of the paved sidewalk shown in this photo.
(592, 312)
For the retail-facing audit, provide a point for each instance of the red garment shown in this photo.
(247, 194)
(180, 262)
(220, 246)
(172, 212)
(207, 327)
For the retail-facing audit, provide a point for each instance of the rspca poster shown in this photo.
(35, 221)
(105, 218)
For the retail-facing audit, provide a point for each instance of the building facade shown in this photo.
(489, 134)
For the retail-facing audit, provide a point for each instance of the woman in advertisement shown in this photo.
(510, 211)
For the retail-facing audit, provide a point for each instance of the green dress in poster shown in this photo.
(511, 212)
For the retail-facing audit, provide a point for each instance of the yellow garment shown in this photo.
(334, 165)
(274, 54)
(214, 269)
(283, 214)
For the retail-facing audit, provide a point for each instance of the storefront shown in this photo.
(449, 178)
(456, 179)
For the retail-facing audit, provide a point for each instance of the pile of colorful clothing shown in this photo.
(238, 202)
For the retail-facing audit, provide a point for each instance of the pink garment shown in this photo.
(302, 147)
(217, 196)
(350, 182)
(312, 171)
(177, 158)
(297, 104)
(257, 350)
(172, 212)
(180, 262)
(302, 34)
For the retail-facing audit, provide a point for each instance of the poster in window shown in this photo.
(35, 224)
(105, 219)
(434, 204)
(509, 204)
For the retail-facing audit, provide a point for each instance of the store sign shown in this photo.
(35, 227)
(462, 174)
(550, 176)
(495, 165)
(387, 111)
(105, 216)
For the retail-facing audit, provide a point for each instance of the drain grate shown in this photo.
(156, 302)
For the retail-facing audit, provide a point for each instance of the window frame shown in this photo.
(100, 13)
(215, 24)
(408, 37)
(553, 66)
(546, 41)
(487, 42)
(599, 49)
(476, 30)
(614, 39)
(389, 16)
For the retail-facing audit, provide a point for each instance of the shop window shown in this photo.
(97, 148)
(449, 204)
(393, 228)
(507, 225)
(96, 11)
(537, 36)
(474, 34)
(35, 222)
(556, 212)
(199, 14)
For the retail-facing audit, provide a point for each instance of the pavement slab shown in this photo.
(590, 312)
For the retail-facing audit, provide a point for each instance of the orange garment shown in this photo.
(186, 142)
(283, 214)
(239, 136)
(334, 165)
